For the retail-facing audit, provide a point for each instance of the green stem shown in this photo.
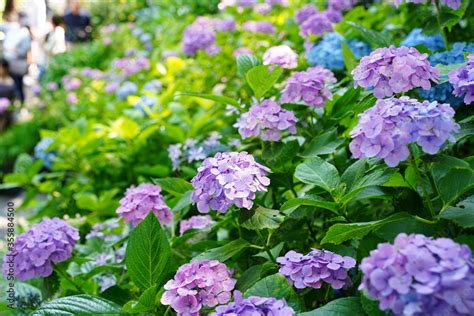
(267, 250)
(66, 276)
(422, 183)
(167, 310)
(441, 28)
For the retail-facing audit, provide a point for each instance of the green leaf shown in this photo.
(453, 177)
(376, 39)
(147, 253)
(279, 155)
(310, 200)
(396, 180)
(318, 172)
(370, 306)
(260, 218)
(338, 307)
(339, 233)
(78, 304)
(175, 186)
(225, 252)
(145, 303)
(444, 70)
(217, 98)
(276, 286)
(350, 61)
(275, 251)
(344, 105)
(125, 128)
(249, 278)
(245, 62)
(462, 214)
(262, 78)
(371, 178)
(323, 144)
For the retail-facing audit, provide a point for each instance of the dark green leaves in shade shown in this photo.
(225, 252)
(462, 214)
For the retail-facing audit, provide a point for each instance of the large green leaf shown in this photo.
(318, 172)
(462, 214)
(212, 97)
(147, 253)
(262, 78)
(339, 233)
(245, 62)
(343, 105)
(175, 186)
(376, 39)
(279, 155)
(350, 61)
(338, 307)
(323, 144)
(260, 218)
(145, 303)
(225, 252)
(78, 305)
(277, 286)
(370, 179)
(310, 200)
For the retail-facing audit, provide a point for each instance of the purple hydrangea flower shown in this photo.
(71, 83)
(230, 178)
(266, 120)
(195, 222)
(197, 284)
(462, 80)
(305, 12)
(126, 89)
(111, 87)
(394, 70)
(385, 130)
(334, 16)
(139, 201)
(263, 27)
(105, 231)
(92, 73)
(4, 105)
(341, 5)
(200, 35)
(241, 51)
(309, 86)
(262, 8)
(419, 275)
(281, 55)
(130, 66)
(71, 98)
(316, 24)
(316, 267)
(49, 242)
(254, 305)
(224, 25)
(52, 86)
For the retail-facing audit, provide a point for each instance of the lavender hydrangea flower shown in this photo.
(200, 35)
(254, 305)
(309, 86)
(230, 178)
(105, 231)
(266, 120)
(145, 102)
(71, 83)
(52, 86)
(334, 16)
(394, 70)
(4, 105)
(141, 200)
(197, 284)
(130, 66)
(92, 73)
(262, 8)
(341, 5)
(153, 86)
(49, 242)
(316, 267)
(281, 55)
(304, 13)
(71, 98)
(241, 51)
(385, 130)
(126, 89)
(416, 37)
(263, 27)
(462, 80)
(195, 222)
(419, 275)
(316, 24)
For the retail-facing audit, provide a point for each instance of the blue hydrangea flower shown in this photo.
(453, 56)
(416, 37)
(145, 102)
(328, 51)
(42, 152)
(441, 93)
(126, 89)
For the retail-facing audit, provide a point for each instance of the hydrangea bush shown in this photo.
(246, 157)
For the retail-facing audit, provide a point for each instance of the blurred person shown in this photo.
(16, 47)
(78, 24)
(56, 39)
(7, 94)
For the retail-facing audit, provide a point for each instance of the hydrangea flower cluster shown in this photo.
(316, 267)
(304, 13)
(71, 83)
(462, 80)
(281, 55)
(127, 88)
(230, 178)
(240, 4)
(266, 120)
(153, 86)
(263, 27)
(51, 241)
(316, 24)
(192, 150)
(197, 284)
(416, 37)
(419, 275)
(309, 86)
(139, 201)
(43, 153)
(341, 5)
(254, 305)
(143, 102)
(92, 73)
(453, 56)
(392, 70)
(200, 35)
(4, 105)
(385, 130)
(52, 86)
(130, 66)
(71, 98)
(328, 51)
(105, 231)
(241, 51)
(195, 222)
(443, 93)
(453, 4)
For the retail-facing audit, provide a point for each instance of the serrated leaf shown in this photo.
(245, 62)
(279, 155)
(225, 252)
(276, 286)
(462, 214)
(78, 304)
(291, 205)
(147, 253)
(260, 218)
(262, 78)
(323, 144)
(175, 186)
(217, 98)
(318, 172)
(338, 307)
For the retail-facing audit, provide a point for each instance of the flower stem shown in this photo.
(66, 276)
(441, 28)
(422, 183)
